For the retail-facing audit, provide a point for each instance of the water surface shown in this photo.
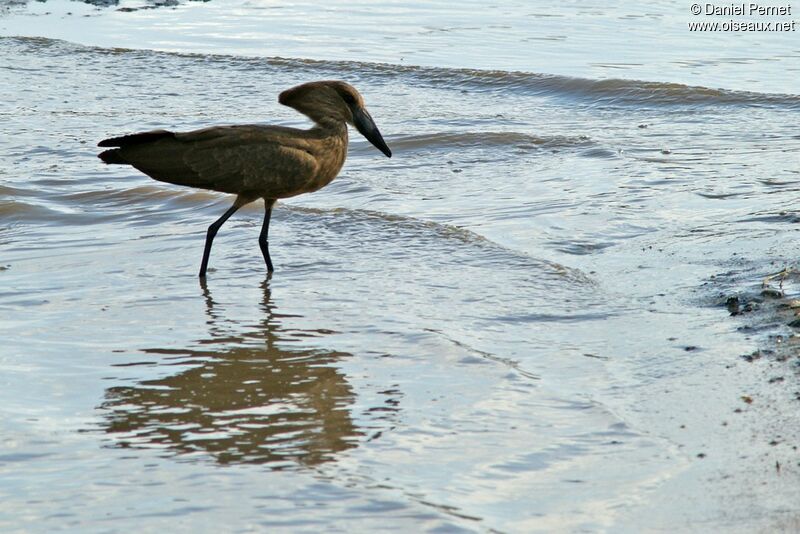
(515, 324)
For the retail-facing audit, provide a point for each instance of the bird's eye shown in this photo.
(349, 99)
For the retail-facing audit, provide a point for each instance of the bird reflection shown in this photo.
(244, 398)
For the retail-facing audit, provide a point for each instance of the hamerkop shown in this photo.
(253, 161)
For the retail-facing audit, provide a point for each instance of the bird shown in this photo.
(255, 161)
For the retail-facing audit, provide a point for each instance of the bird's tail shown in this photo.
(115, 155)
(112, 156)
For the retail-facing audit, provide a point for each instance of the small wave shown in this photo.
(472, 139)
(128, 196)
(16, 210)
(554, 317)
(442, 140)
(421, 233)
(607, 92)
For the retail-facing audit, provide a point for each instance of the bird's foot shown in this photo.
(781, 275)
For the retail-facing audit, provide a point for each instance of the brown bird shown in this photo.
(253, 161)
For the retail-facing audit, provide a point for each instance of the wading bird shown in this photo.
(253, 161)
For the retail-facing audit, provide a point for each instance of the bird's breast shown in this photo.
(330, 159)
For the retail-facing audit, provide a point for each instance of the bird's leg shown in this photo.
(263, 241)
(212, 231)
(781, 275)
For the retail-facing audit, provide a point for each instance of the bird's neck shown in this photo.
(330, 150)
(333, 134)
(331, 126)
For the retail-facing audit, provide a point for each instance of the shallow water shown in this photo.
(511, 325)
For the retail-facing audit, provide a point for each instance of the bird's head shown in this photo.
(334, 100)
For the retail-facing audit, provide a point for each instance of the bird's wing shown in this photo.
(260, 160)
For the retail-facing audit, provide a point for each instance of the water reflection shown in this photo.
(247, 400)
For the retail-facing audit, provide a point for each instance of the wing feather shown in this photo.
(261, 160)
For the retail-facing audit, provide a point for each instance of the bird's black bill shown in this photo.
(366, 126)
